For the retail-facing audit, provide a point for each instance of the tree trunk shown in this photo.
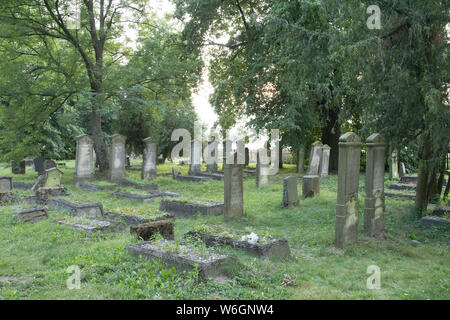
(330, 136)
(280, 158)
(99, 144)
(447, 189)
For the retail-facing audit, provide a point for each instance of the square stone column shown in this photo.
(325, 161)
(262, 173)
(234, 191)
(347, 207)
(374, 206)
(84, 159)
(117, 157)
(196, 157)
(149, 162)
(314, 159)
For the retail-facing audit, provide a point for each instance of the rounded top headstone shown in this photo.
(376, 138)
(149, 140)
(325, 146)
(317, 143)
(118, 138)
(350, 137)
(84, 137)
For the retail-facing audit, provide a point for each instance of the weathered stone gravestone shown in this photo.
(212, 166)
(234, 190)
(149, 163)
(31, 215)
(6, 184)
(374, 205)
(290, 192)
(39, 165)
(84, 162)
(347, 207)
(175, 172)
(18, 168)
(117, 157)
(314, 159)
(325, 161)
(311, 182)
(402, 170)
(50, 179)
(393, 166)
(262, 172)
(196, 155)
(301, 160)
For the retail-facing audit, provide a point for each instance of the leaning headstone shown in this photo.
(262, 173)
(18, 168)
(234, 190)
(6, 184)
(48, 164)
(196, 154)
(301, 160)
(347, 207)
(325, 161)
(117, 157)
(39, 165)
(374, 202)
(149, 163)
(393, 173)
(84, 163)
(290, 192)
(314, 159)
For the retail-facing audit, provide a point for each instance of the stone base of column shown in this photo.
(310, 186)
(193, 169)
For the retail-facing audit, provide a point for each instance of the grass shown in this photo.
(44, 250)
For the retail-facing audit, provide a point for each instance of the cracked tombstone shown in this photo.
(325, 161)
(262, 172)
(149, 162)
(234, 190)
(290, 192)
(347, 206)
(117, 157)
(196, 155)
(84, 162)
(374, 205)
(311, 182)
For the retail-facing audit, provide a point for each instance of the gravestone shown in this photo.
(325, 161)
(347, 207)
(301, 160)
(175, 172)
(32, 215)
(374, 205)
(402, 169)
(290, 192)
(52, 178)
(212, 167)
(310, 186)
(149, 162)
(196, 154)
(393, 172)
(18, 169)
(117, 157)
(262, 172)
(314, 159)
(39, 165)
(84, 162)
(6, 184)
(48, 164)
(233, 190)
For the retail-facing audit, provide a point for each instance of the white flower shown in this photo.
(252, 238)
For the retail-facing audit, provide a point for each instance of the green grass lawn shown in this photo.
(44, 250)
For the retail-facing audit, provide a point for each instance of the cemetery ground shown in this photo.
(34, 257)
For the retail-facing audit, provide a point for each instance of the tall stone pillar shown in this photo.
(325, 161)
(262, 172)
(301, 160)
(196, 157)
(234, 190)
(84, 159)
(117, 157)
(374, 202)
(347, 207)
(393, 166)
(149, 162)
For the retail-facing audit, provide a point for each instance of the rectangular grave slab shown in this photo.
(94, 187)
(32, 215)
(430, 221)
(133, 220)
(273, 248)
(127, 183)
(185, 258)
(400, 196)
(144, 197)
(187, 209)
(408, 179)
(91, 225)
(90, 210)
(190, 178)
(213, 176)
(147, 231)
(22, 185)
(402, 186)
(6, 196)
